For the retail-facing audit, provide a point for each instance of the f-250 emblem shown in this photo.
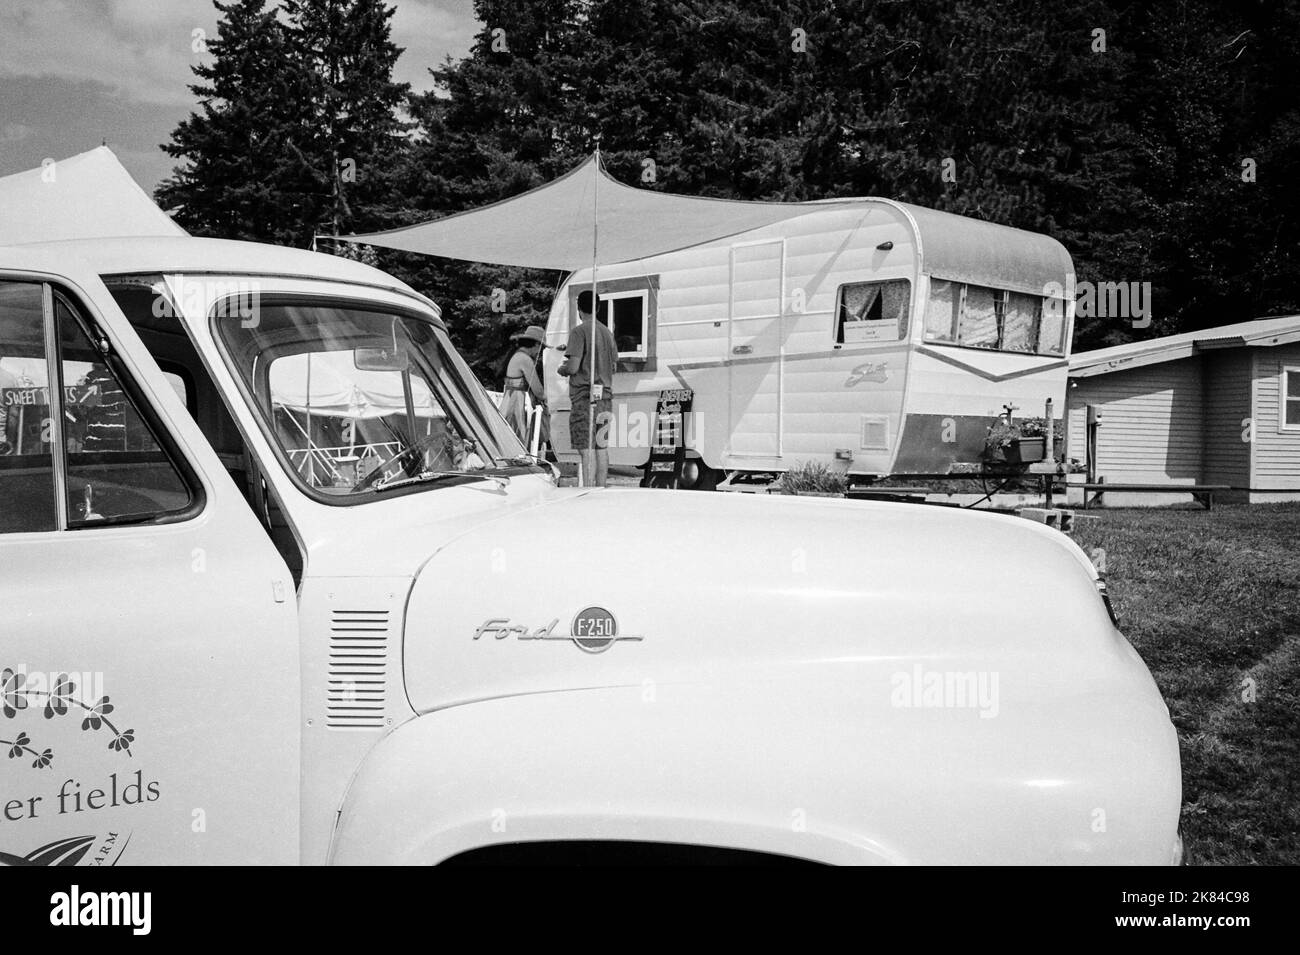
(594, 630)
(877, 371)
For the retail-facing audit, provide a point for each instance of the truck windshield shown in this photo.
(359, 400)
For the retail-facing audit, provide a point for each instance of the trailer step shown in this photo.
(750, 482)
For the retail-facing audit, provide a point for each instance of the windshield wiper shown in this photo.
(428, 477)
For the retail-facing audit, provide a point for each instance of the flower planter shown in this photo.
(1025, 450)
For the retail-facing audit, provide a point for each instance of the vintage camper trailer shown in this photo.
(882, 335)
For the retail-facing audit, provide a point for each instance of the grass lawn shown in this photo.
(1212, 602)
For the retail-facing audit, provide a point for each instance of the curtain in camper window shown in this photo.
(941, 311)
(1020, 325)
(979, 318)
(1051, 332)
(874, 311)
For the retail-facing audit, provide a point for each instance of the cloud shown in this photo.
(60, 117)
(75, 72)
(141, 49)
(430, 30)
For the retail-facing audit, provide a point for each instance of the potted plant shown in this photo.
(813, 479)
(1016, 442)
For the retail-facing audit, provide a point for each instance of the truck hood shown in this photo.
(633, 587)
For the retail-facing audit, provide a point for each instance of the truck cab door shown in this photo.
(148, 629)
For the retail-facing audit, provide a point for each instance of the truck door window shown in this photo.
(116, 469)
(26, 449)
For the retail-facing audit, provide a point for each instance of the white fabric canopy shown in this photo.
(341, 389)
(554, 225)
(89, 196)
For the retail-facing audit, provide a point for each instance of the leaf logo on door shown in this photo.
(18, 695)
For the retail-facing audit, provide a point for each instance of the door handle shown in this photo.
(742, 349)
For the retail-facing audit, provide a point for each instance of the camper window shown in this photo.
(1020, 322)
(941, 311)
(1051, 334)
(873, 311)
(980, 318)
(631, 320)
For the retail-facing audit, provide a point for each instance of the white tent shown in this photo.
(89, 196)
(339, 389)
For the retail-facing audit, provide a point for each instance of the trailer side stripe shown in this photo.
(948, 359)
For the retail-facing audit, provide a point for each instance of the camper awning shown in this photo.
(89, 196)
(583, 216)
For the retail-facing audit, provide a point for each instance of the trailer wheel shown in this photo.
(655, 478)
(698, 476)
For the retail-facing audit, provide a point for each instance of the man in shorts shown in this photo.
(590, 371)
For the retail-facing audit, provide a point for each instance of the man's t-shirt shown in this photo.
(578, 356)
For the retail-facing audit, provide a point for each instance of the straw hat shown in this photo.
(533, 333)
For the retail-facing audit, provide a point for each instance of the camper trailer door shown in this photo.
(755, 344)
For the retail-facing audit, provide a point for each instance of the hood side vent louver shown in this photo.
(358, 669)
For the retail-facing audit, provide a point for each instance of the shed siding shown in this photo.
(1277, 451)
(1151, 427)
(1227, 376)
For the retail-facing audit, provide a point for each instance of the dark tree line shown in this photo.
(1159, 142)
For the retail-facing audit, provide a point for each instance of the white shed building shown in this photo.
(1219, 406)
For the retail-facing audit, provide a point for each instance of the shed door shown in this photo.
(754, 347)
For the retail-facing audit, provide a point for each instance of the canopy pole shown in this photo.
(595, 316)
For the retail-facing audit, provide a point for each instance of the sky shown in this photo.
(75, 73)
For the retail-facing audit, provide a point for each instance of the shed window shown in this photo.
(873, 311)
(1291, 398)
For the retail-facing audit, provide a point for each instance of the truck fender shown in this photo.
(686, 764)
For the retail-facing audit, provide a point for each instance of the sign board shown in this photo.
(668, 453)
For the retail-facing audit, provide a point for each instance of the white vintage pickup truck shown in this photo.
(277, 584)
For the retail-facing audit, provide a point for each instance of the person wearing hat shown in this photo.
(522, 382)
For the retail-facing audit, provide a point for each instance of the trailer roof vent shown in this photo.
(356, 692)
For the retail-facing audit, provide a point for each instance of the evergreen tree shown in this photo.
(346, 53)
(297, 131)
(241, 178)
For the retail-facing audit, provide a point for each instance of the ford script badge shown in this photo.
(594, 630)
